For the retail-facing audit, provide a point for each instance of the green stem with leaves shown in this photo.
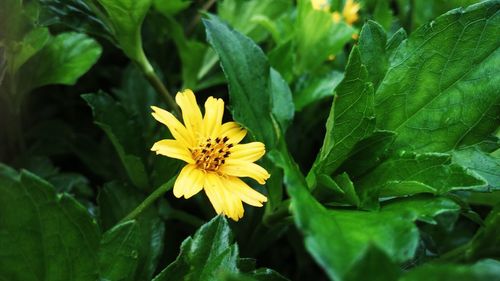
(150, 200)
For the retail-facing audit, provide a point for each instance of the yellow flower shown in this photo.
(215, 158)
(350, 11)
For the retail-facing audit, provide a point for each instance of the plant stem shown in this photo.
(155, 81)
(150, 200)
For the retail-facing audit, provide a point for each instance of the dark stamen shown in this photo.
(217, 140)
(230, 145)
(225, 139)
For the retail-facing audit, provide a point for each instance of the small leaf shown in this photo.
(43, 234)
(205, 256)
(247, 72)
(63, 60)
(171, 7)
(317, 88)
(317, 37)
(486, 242)
(243, 15)
(28, 47)
(485, 165)
(372, 48)
(111, 118)
(116, 200)
(126, 18)
(118, 254)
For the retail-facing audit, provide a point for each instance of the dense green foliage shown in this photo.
(382, 139)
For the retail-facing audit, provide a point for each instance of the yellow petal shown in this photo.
(211, 189)
(251, 152)
(223, 201)
(245, 192)
(174, 149)
(188, 182)
(233, 131)
(191, 113)
(214, 110)
(239, 168)
(178, 130)
(232, 206)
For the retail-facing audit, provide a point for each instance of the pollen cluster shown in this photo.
(211, 154)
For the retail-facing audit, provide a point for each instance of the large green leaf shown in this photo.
(205, 256)
(116, 200)
(337, 239)
(351, 116)
(125, 17)
(44, 234)
(247, 72)
(410, 173)
(441, 89)
(480, 271)
(122, 130)
(118, 253)
(63, 60)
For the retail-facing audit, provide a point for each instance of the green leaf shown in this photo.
(351, 116)
(111, 118)
(63, 60)
(75, 14)
(372, 47)
(376, 264)
(126, 17)
(410, 173)
(118, 254)
(205, 256)
(42, 233)
(477, 161)
(330, 234)
(486, 242)
(247, 72)
(395, 41)
(116, 200)
(244, 15)
(383, 13)
(191, 52)
(317, 37)
(171, 7)
(480, 271)
(317, 88)
(368, 154)
(28, 47)
(283, 108)
(441, 89)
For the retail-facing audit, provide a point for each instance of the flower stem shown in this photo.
(155, 81)
(150, 200)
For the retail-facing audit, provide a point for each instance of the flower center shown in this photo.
(211, 154)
